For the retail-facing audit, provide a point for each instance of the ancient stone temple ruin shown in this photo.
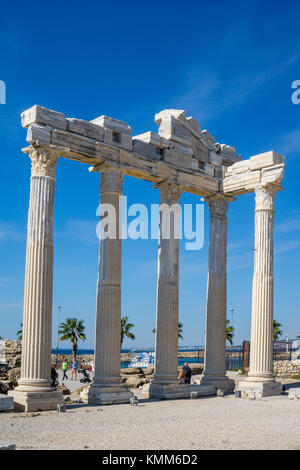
(180, 157)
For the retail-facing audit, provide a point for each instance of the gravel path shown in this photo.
(206, 423)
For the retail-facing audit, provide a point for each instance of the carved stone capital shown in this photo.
(111, 180)
(264, 198)
(169, 193)
(43, 161)
(218, 206)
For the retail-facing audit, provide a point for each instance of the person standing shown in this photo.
(64, 370)
(74, 369)
(187, 373)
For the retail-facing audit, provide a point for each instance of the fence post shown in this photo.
(246, 354)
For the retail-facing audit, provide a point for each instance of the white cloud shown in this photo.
(289, 142)
(208, 94)
(284, 246)
(9, 231)
(81, 231)
(11, 304)
(288, 226)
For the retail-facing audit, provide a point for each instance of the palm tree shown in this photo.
(72, 330)
(20, 332)
(229, 332)
(125, 329)
(180, 330)
(277, 331)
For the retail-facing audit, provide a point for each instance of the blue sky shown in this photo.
(229, 64)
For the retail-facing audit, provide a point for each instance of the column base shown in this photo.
(203, 390)
(101, 394)
(168, 391)
(36, 401)
(221, 383)
(179, 390)
(249, 388)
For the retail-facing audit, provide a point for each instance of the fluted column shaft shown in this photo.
(261, 352)
(167, 308)
(37, 316)
(215, 333)
(108, 303)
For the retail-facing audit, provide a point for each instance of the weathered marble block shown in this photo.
(154, 139)
(215, 159)
(273, 174)
(111, 123)
(171, 156)
(147, 149)
(241, 182)
(85, 128)
(39, 115)
(75, 142)
(188, 162)
(237, 168)
(6, 402)
(208, 168)
(38, 133)
(117, 138)
(263, 160)
(200, 151)
(208, 136)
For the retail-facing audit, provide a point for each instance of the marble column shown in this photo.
(260, 380)
(215, 333)
(165, 383)
(34, 390)
(107, 387)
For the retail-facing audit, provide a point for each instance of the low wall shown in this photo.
(286, 368)
(10, 353)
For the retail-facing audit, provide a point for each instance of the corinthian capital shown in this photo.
(169, 193)
(264, 198)
(43, 161)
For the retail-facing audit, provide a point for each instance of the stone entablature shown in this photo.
(180, 152)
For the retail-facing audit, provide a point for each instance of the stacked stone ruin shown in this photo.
(180, 157)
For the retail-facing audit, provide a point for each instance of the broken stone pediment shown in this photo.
(186, 136)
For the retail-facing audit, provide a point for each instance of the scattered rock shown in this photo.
(63, 389)
(7, 446)
(4, 387)
(134, 382)
(132, 371)
(149, 370)
(14, 375)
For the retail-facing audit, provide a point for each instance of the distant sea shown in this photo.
(235, 362)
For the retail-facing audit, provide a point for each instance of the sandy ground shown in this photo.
(206, 423)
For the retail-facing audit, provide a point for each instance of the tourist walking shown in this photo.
(187, 373)
(64, 370)
(74, 370)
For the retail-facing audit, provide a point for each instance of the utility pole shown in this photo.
(59, 307)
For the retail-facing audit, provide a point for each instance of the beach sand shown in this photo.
(206, 423)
